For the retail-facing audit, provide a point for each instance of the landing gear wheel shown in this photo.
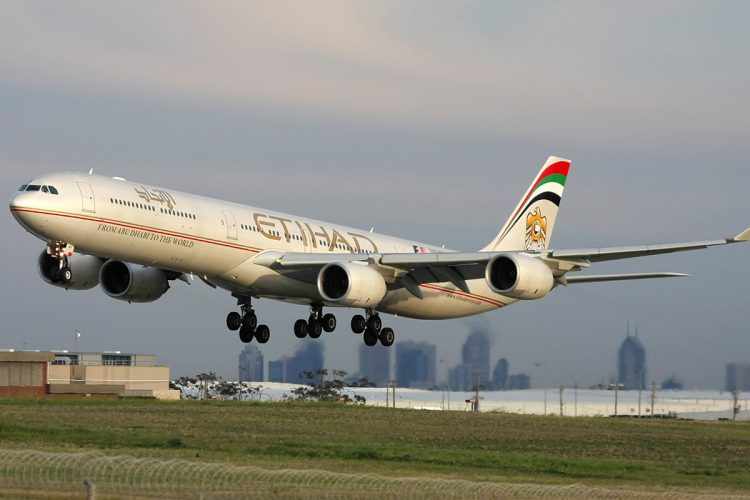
(66, 275)
(329, 322)
(262, 334)
(374, 323)
(314, 328)
(358, 323)
(387, 336)
(234, 321)
(370, 338)
(250, 320)
(300, 328)
(246, 334)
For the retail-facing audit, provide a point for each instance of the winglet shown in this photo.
(743, 236)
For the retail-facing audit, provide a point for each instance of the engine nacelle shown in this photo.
(131, 282)
(519, 276)
(351, 284)
(84, 270)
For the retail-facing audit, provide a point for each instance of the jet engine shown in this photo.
(132, 282)
(351, 284)
(84, 271)
(519, 276)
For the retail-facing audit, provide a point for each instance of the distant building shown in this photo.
(519, 381)
(415, 364)
(292, 369)
(631, 363)
(738, 377)
(475, 363)
(375, 364)
(251, 364)
(500, 374)
(672, 384)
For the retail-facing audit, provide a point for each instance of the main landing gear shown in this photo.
(373, 330)
(315, 325)
(247, 323)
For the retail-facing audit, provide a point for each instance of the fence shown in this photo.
(37, 474)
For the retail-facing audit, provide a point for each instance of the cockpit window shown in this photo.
(44, 189)
(53, 189)
(23, 188)
(33, 187)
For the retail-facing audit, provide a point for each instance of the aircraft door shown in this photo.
(88, 203)
(231, 224)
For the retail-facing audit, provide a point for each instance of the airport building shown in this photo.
(375, 364)
(415, 364)
(251, 364)
(44, 373)
(631, 363)
(738, 377)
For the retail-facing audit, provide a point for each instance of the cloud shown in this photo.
(588, 72)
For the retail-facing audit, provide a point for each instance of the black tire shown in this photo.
(329, 322)
(250, 320)
(234, 321)
(246, 334)
(358, 323)
(387, 336)
(262, 334)
(374, 323)
(370, 338)
(66, 275)
(314, 329)
(300, 328)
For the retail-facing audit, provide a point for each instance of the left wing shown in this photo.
(412, 269)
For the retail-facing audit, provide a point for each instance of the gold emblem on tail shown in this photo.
(536, 230)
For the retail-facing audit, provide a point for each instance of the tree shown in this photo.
(320, 389)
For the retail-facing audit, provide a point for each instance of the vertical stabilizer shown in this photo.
(530, 225)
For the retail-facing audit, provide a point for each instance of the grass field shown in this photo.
(634, 454)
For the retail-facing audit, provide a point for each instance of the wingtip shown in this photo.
(743, 236)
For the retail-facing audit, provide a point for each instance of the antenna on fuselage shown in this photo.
(372, 229)
(91, 171)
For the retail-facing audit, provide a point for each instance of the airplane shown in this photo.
(133, 239)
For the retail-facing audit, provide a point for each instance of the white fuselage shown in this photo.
(219, 240)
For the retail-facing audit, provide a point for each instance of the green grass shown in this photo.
(495, 447)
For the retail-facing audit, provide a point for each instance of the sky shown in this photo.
(424, 119)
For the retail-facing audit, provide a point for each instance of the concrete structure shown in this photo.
(738, 377)
(308, 358)
(415, 364)
(375, 364)
(251, 364)
(500, 374)
(475, 363)
(631, 363)
(24, 373)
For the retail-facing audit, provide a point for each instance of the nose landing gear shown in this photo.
(246, 322)
(60, 251)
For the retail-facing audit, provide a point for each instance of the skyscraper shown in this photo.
(475, 363)
(631, 363)
(292, 369)
(251, 364)
(375, 364)
(738, 377)
(415, 364)
(500, 374)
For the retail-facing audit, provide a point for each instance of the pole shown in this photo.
(653, 397)
(545, 402)
(640, 388)
(575, 400)
(735, 408)
(561, 400)
(617, 387)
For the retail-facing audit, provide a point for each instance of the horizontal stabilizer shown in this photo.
(592, 278)
(743, 236)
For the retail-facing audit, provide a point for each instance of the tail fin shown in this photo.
(530, 225)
